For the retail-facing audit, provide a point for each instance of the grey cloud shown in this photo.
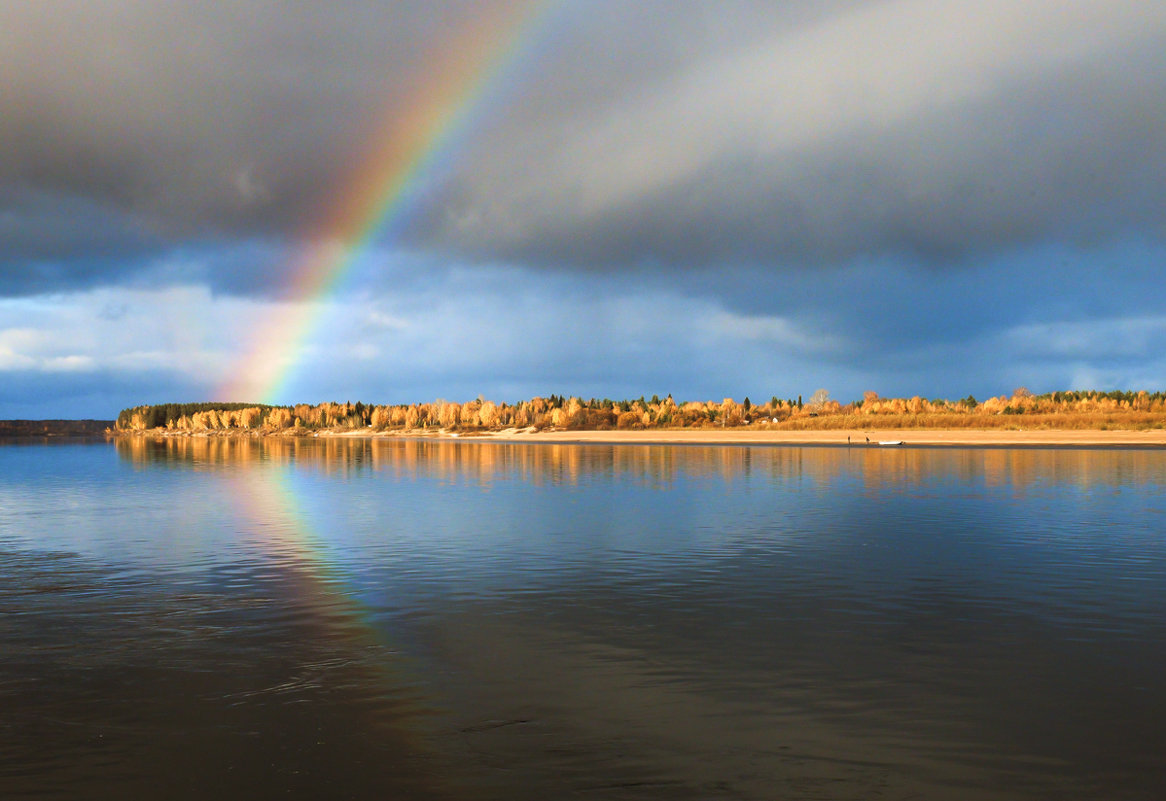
(99, 395)
(922, 128)
(51, 242)
(161, 109)
(691, 133)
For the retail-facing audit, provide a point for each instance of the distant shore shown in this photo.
(872, 437)
(53, 428)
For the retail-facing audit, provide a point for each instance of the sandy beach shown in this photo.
(908, 437)
(842, 437)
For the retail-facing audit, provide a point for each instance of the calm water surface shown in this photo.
(408, 619)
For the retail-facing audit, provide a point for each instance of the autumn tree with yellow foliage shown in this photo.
(1073, 409)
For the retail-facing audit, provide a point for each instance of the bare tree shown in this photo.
(818, 400)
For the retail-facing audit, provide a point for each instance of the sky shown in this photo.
(404, 200)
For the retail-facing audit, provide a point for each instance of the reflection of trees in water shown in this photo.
(478, 462)
(1019, 468)
(659, 465)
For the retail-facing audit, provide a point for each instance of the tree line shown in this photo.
(560, 412)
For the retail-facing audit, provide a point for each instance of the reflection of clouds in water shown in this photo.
(691, 614)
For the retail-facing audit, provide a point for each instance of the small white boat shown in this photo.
(891, 442)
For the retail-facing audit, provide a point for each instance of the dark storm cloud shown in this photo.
(100, 395)
(927, 129)
(50, 242)
(135, 135)
(188, 114)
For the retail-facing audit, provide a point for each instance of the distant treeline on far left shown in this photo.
(53, 428)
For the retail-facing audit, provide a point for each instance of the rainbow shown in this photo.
(272, 519)
(474, 75)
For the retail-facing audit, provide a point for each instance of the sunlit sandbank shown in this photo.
(856, 437)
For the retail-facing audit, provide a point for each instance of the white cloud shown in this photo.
(1097, 340)
(378, 319)
(249, 188)
(69, 364)
(183, 329)
(10, 360)
(771, 330)
(509, 334)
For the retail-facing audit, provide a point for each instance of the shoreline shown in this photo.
(858, 438)
(864, 438)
